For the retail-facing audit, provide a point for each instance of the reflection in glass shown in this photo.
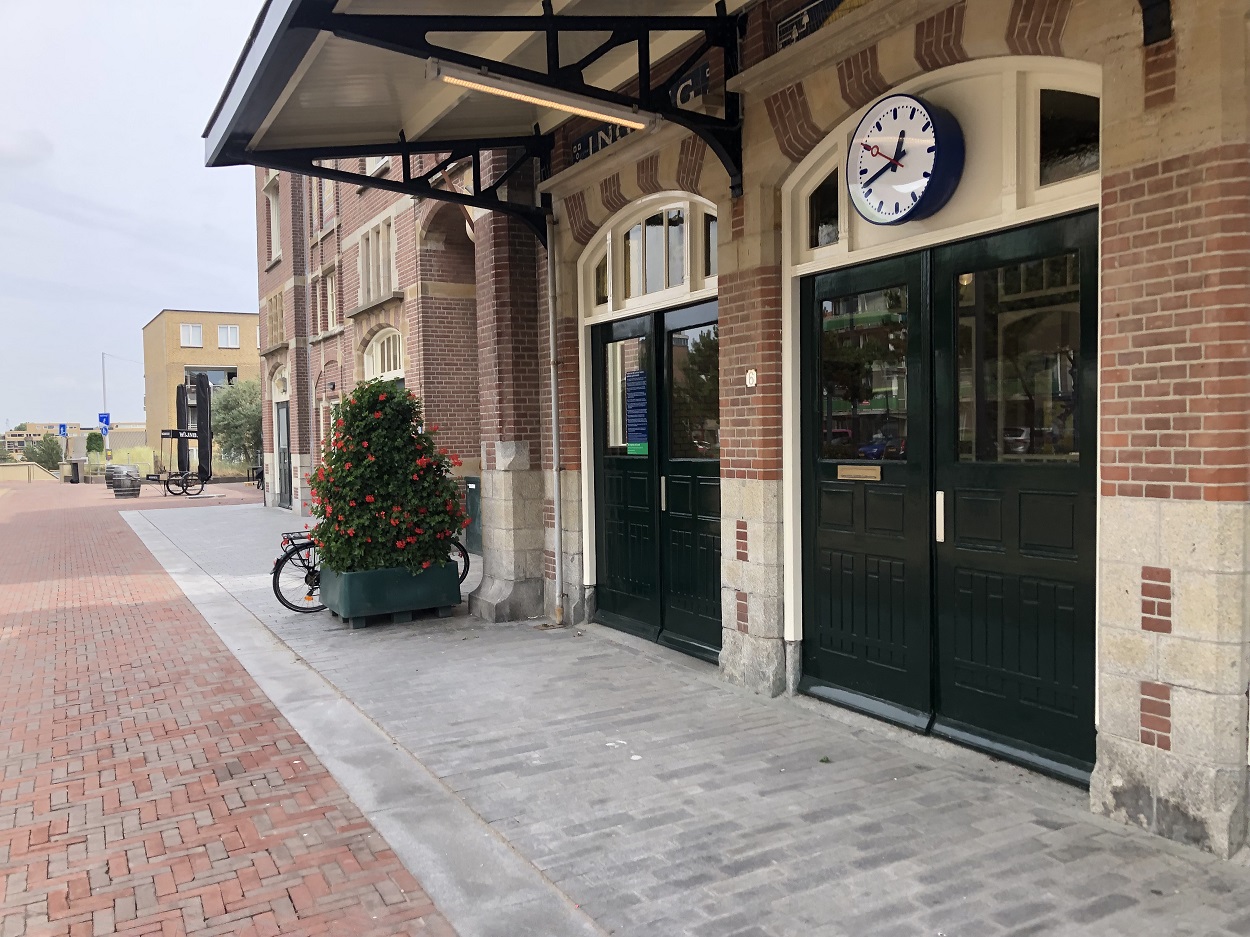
(626, 392)
(1068, 135)
(676, 235)
(633, 262)
(601, 281)
(863, 373)
(654, 262)
(709, 245)
(694, 375)
(822, 212)
(1019, 353)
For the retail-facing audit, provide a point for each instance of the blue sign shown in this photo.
(61, 430)
(636, 425)
(104, 430)
(104, 419)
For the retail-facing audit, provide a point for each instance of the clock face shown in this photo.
(905, 160)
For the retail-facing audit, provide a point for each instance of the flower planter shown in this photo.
(356, 597)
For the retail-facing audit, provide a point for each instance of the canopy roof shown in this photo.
(326, 79)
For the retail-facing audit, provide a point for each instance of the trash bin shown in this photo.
(126, 482)
(75, 471)
(473, 504)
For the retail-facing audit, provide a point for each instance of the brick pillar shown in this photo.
(1174, 523)
(509, 356)
(753, 652)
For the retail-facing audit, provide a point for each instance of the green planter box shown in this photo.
(355, 597)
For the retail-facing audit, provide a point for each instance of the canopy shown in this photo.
(335, 79)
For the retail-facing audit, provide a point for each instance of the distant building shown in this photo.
(16, 441)
(179, 344)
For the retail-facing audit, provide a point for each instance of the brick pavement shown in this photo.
(148, 786)
(667, 803)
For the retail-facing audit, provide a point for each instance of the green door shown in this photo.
(866, 436)
(1015, 464)
(949, 526)
(657, 477)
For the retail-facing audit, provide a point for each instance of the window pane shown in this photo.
(694, 375)
(633, 262)
(676, 248)
(1019, 353)
(863, 368)
(601, 281)
(709, 245)
(654, 263)
(626, 391)
(1069, 135)
(823, 213)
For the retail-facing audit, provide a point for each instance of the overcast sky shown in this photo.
(107, 214)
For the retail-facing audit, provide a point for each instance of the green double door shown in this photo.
(949, 428)
(657, 477)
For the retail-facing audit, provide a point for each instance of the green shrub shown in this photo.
(384, 496)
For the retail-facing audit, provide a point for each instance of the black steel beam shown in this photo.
(302, 162)
(409, 35)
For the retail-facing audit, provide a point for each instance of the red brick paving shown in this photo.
(147, 785)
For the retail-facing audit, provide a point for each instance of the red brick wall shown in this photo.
(1176, 328)
(750, 338)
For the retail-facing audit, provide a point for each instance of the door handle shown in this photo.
(939, 516)
(663, 493)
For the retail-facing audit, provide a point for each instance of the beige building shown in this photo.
(178, 344)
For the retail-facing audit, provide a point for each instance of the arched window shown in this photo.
(657, 252)
(384, 358)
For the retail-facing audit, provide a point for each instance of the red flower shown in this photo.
(348, 466)
(338, 422)
(420, 531)
(352, 399)
(455, 460)
(351, 504)
(425, 565)
(369, 499)
(381, 396)
(466, 522)
(399, 544)
(305, 526)
(442, 452)
(372, 459)
(351, 531)
(421, 510)
(434, 428)
(416, 477)
(368, 540)
(377, 414)
(394, 522)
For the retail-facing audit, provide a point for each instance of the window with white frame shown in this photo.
(258, 338)
(227, 336)
(318, 309)
(328, 208)
(273, 227)
(377, 261)
(375, 164)
(384, 358)
(654, 255)
(332, 311)
(192, 336)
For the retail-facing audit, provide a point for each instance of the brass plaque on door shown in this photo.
(859, 473)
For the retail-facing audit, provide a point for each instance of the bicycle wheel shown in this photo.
(175, 484)
(460, 556)
(193, 484)
(297, 578)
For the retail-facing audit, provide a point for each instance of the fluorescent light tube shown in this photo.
(528, 93)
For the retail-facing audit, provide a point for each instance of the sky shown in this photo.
(107, 214)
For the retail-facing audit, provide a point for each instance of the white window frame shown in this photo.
(274, 219)
(232, 336)
(385, 348)
(376, 165)
(376, 260)
(332, 311)
(192, 335)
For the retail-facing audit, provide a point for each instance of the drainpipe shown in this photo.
(555, 415)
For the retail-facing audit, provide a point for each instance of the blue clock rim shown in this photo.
(948, 161)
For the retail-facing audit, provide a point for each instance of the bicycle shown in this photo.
(184, 483)
(297, 572)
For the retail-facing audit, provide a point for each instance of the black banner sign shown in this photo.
(179, 434)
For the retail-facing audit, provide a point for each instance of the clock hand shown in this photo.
(876, 151)
(898, 150)
(890, 166)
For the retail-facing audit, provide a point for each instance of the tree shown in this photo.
(20, 428)
(95, 442)
(5, 455)
(236, 420)
(46, 452)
